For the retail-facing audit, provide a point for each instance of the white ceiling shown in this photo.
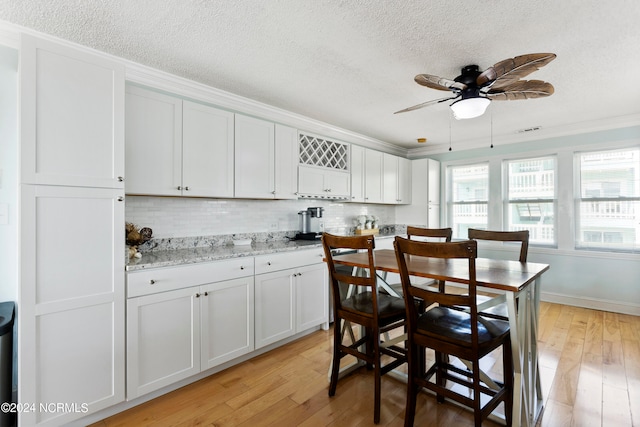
(351, 63)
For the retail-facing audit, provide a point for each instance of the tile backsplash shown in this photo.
(189, 217)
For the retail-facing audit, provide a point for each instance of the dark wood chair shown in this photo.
(504, 236)
(499, 311)
(377, 313)
(426, 234)
(452, 332)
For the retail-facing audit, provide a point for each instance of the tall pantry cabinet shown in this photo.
(71, 298)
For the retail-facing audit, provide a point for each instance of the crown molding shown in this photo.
(544, 133)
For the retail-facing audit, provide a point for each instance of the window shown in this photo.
(608, 204)
(469, 196)
(531, 198)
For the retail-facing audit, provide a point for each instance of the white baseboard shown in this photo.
(596, 304)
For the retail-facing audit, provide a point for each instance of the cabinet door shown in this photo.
(433, 186)
(71, 317)
(286, 162)
(357, 173)
(312, 296)
(373, 177)
(227, 317)
(337, 184)
(274, 307)
(153, 143)
(311, 180)
(404, 181)
(254, 158)
(163, 340)
(207, 151)
(71, 116)
(433, 216)
(390, 178)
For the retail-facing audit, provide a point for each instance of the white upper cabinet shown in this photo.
(397, 180)
(389, 178)
(404, 181)
(207, 151)
(176, 147)
(323, 182)
(373, 176)
(433, 188)
(357, 173)
(254, 158)
(153, 143)
(72, 123)
(286, 162)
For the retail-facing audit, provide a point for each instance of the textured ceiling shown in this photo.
(351, 63)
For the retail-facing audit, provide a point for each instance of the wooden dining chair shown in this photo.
(521, 236)
(452, 332)
(426, 234)
(500, 310)
(377, 313)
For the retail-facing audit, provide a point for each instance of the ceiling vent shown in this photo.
(531, 129)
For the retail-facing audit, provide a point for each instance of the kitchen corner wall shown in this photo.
(190, 217)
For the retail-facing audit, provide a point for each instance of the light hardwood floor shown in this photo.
(589, 363)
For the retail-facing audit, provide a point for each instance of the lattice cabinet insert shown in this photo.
(322, 152)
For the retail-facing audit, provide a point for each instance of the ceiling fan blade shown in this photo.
(511, 70)
(439, 83)
(486, 77)
(522, 89)
(425, 104)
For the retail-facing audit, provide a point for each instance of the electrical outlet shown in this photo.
(273, 226)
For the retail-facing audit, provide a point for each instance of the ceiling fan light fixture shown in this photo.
(468, 108)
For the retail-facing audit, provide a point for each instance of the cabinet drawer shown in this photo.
(285, 260)
(170, 278)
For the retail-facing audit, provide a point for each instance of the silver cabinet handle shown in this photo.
(197, 295)
(152, 282)
(180, 187)
(120, 178)
(268, 262)
(186, 188)
(206, 294)
(242, 267)
(120, 199)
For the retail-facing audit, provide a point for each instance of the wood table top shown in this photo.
(505, 275)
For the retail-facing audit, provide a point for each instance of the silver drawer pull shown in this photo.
(242, 267)
(197, 295)
(152, 282)
(268, 262)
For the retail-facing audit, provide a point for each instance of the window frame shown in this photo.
(507, 202)
(581, 244)
(450, 189)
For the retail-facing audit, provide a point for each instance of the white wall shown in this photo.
(8, 174)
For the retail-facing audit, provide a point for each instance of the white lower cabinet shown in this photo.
(175, 334)
(289, 300)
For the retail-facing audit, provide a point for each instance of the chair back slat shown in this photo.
(437, 233)
(521, 236)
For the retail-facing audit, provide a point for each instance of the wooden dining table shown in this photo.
(518, 284)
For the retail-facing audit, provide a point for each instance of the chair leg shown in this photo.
(477, 402)
(508, 381)
(414, 369)
(335, 368)
(377, 374)
(441, 360)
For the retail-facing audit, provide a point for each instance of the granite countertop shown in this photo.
(174, 257)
